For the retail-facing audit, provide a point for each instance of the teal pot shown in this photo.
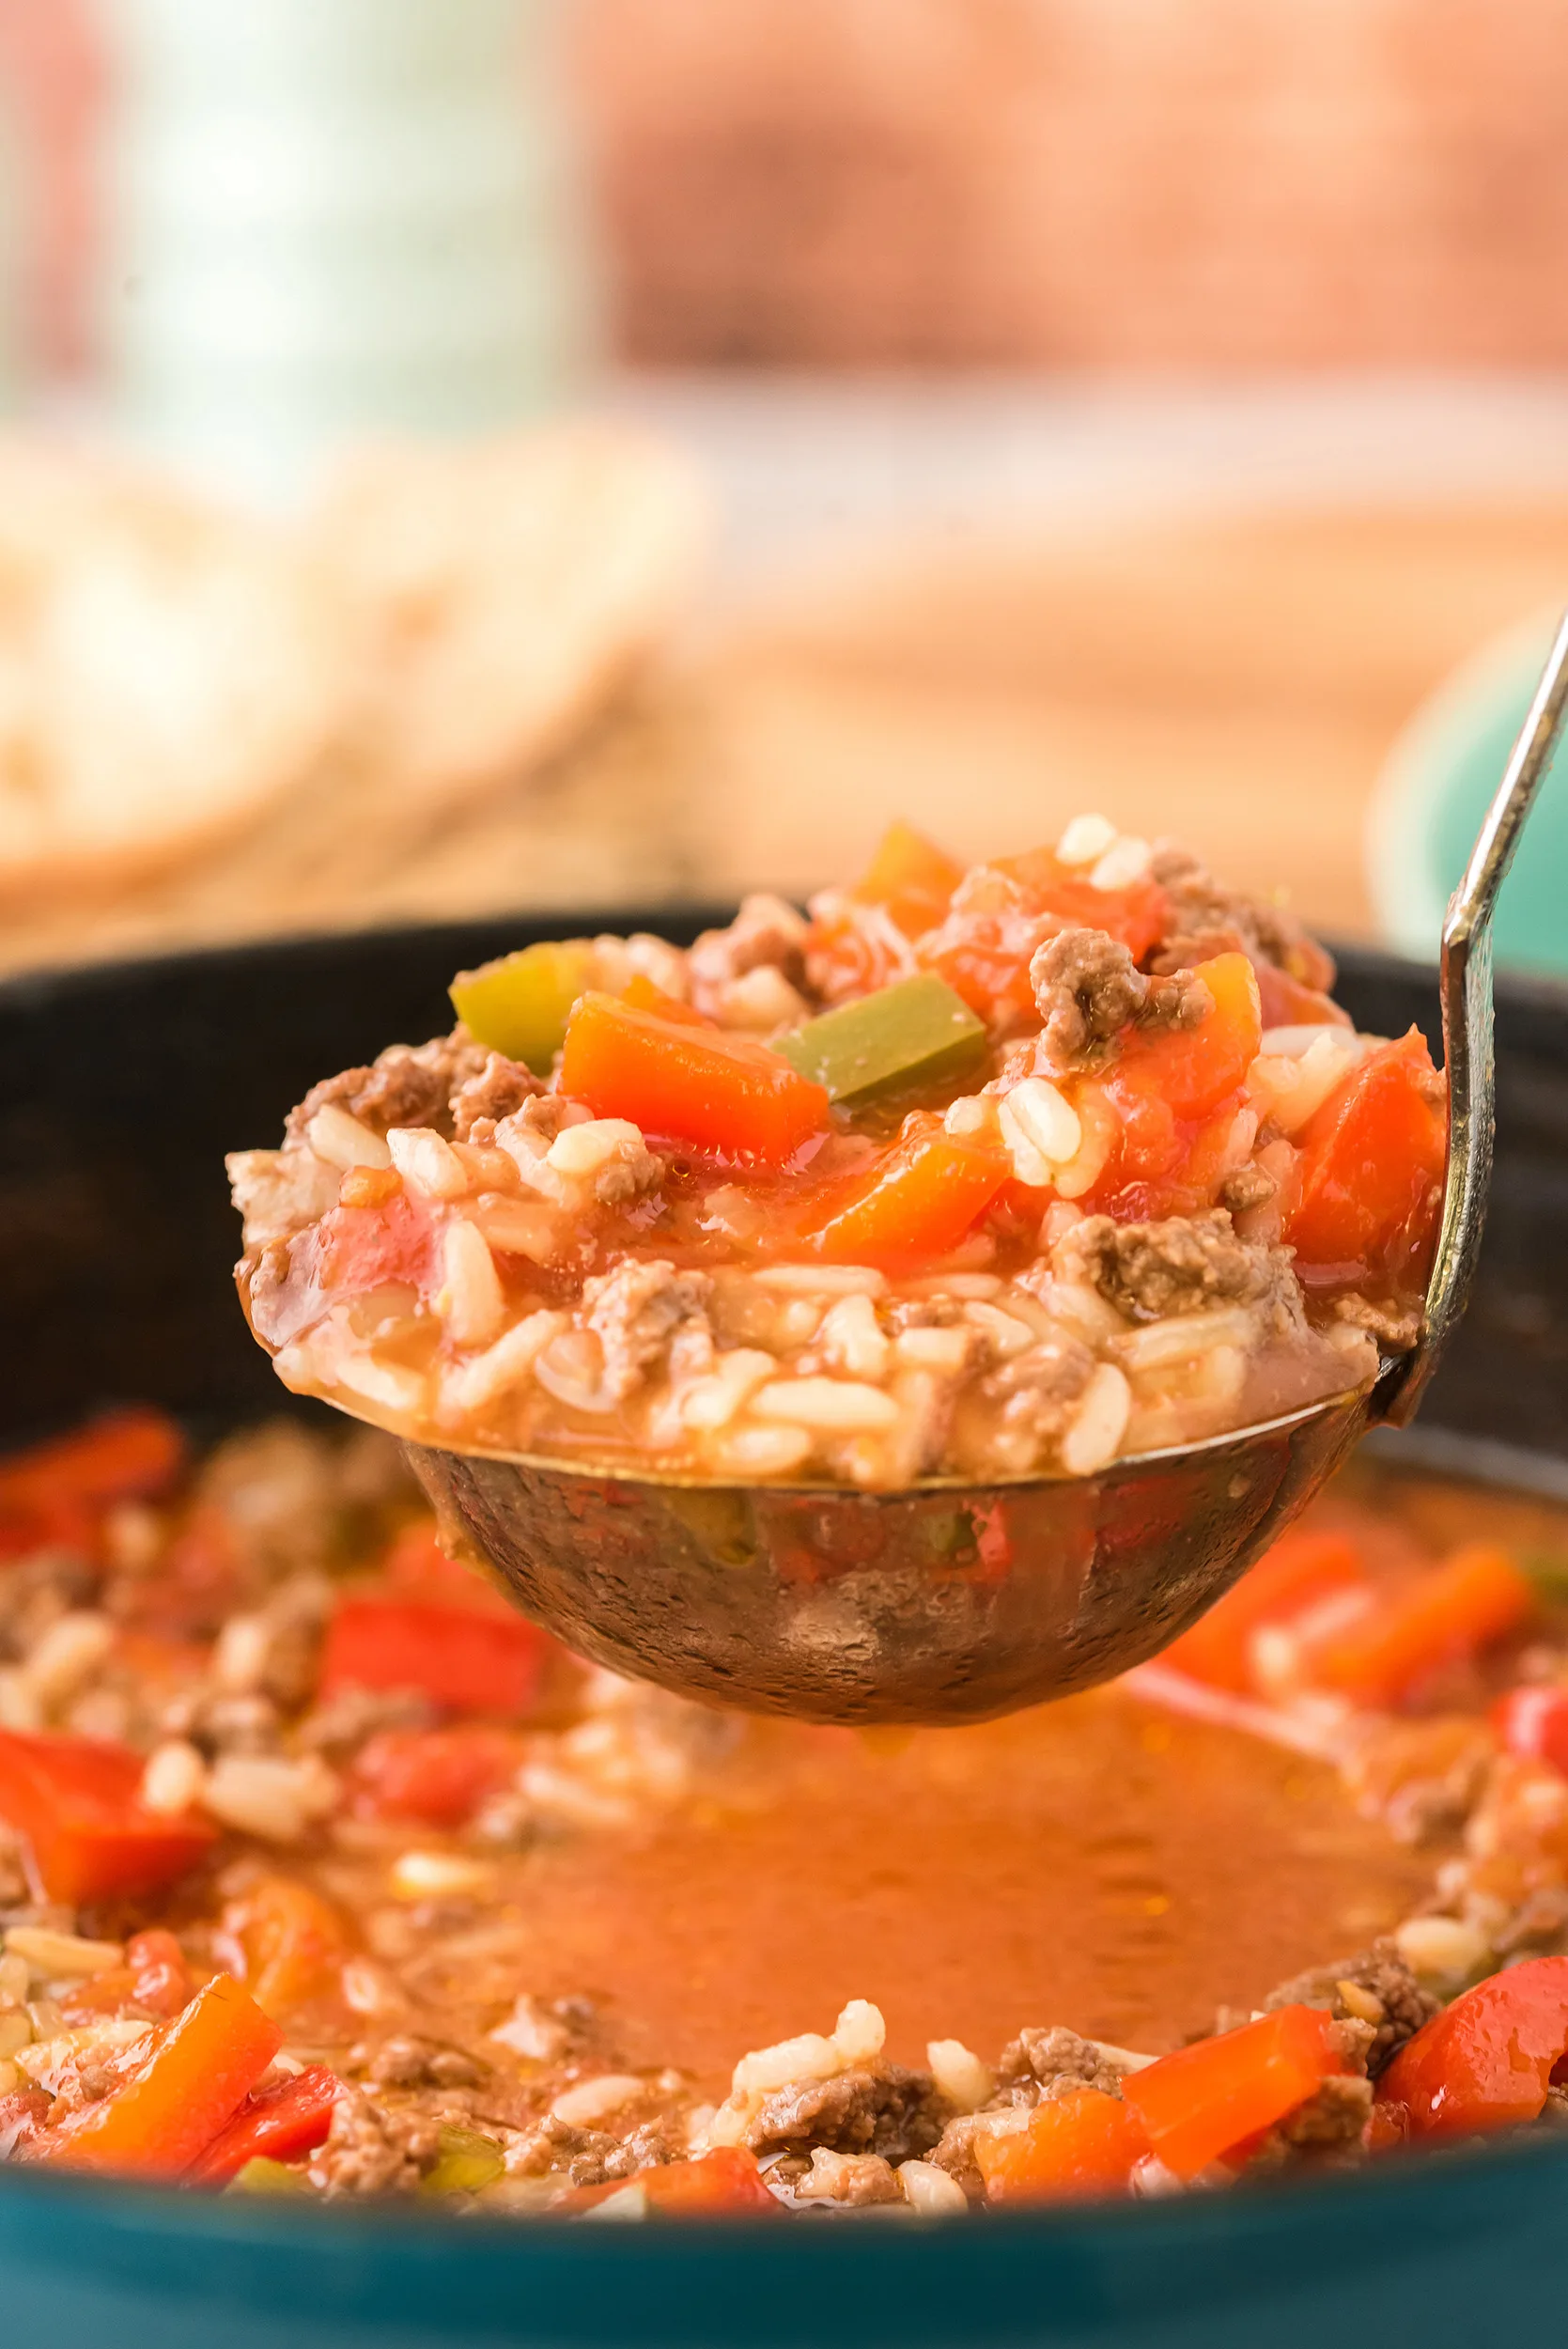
(1434, 791)
(121, 1088)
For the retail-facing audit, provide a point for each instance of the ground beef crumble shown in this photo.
(1087, 988)
(1207, 920)
(370, 2150)
(634, 1310)
(1042, 2064)
(1179, 1266)
(885, 2110)
(1375, 1987)
(408, 1084)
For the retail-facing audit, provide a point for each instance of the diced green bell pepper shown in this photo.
(261, 2176)
(519, 1003)
(465, 2164)
(915, 1033)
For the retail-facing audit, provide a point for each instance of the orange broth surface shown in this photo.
(1097, 1862)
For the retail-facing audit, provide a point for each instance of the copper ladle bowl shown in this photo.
(946, 1601)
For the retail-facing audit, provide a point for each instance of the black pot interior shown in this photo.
(122, 1086)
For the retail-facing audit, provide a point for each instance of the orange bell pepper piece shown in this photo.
(465, 1657)
(1201, 2102)
(1080, 2145)
(724, 1092)
(76, 1804)
(1475, 1598)
(289, 1942)
(916, 1203)
(191, 2077)
(725, 2182)
(1194, 1069)
(1301, 1568)
(640, 994)
(910, 878)
(1371, 1163)
(1487, 2059)
(277, 2123)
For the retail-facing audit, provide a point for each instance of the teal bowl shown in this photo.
(1433, 792)
(121, 1088)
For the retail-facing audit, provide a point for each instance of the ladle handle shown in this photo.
(1464, 982)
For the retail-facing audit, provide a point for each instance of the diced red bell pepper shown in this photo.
(1371, 1165)
(437, 1776)
(291, 1944)
(186, 2085)
(462, 1657)
(1302, 1567)
(154, 1980)
(916, 1203)
(416, 1567)
(277, 2123)
(1477, 1596)
(1487, 2059)
(910, 878)
(57, 1491)
(1080, 2145)
(1205, 2100)
(1533, 1722)
(724, 1092)
(76, 1804)
(724, 2183)
(125, 1456)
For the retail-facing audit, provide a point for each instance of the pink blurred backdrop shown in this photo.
(1117, 183)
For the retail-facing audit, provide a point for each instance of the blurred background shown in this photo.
(524, 452)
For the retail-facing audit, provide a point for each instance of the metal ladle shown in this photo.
(950, 1601)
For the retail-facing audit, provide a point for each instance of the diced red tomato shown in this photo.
(853, 950)
(76, 1804)
(437, 1776)
(464, 1656)
(23, 2114)
(1080, 2145)
(725, 2182)
(289, 1944)
(722, 1092)
(277, 2123)
(917, 1203)
(1487, 2059)
(1000, 912)
(182, 2086)
(1302, 1567)
(1205, 2100)
(1289, 1003)
(1533, 1723)
(154, 1980)
(1192, 1070)
(1475, 1597)
(1371, 1166)
(354, 1249)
